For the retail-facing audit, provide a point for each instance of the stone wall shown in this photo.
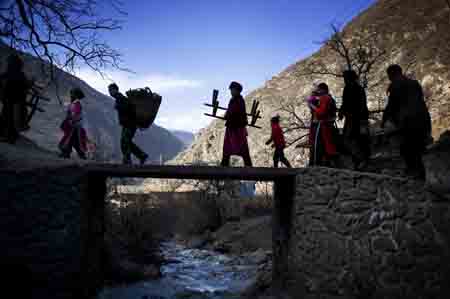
(359, 235)
(40, 216)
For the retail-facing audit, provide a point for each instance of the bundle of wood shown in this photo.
(147, 105)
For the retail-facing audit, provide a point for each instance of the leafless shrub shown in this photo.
(360, 52)
(61, 33)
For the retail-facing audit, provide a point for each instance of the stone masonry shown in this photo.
(357, 235)
(40, 215)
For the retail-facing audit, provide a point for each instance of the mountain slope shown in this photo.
(100, 117)
(186, 137)
(406, 28)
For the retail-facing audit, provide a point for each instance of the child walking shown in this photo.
(279, 143)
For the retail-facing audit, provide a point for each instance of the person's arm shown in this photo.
(390, 107)
(343, 109)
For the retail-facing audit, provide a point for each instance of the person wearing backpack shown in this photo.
(356, 127)
(127, 119)
(322, 131)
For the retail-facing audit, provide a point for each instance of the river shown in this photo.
(192, 274)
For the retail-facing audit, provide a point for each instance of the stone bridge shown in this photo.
(336, 234)
(55, 219)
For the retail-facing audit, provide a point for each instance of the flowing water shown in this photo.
(191, 274)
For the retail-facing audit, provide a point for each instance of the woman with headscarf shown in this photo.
(322, 141)
(74, 134)
(235, 142)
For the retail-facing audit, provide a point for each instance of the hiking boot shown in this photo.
(143, 160)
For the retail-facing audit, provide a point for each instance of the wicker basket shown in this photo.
(147, 105)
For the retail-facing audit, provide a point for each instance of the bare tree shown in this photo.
(62, 33)
(297, 126)
(360, 53)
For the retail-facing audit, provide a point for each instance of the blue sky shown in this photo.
(185, 49)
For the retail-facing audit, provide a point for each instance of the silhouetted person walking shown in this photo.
(407, 110)
(356, 126)
(74, 134)
(15, 89)
(127, 119)
(279, 143)
(235, 142)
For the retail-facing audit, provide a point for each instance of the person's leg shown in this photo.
(225, 160)
(276, 158)
(315, 154)
(364, 145)
(417, 165)
(247, 159)
(412, 149)
(355, 151)
(408, 151)
(284, 160)
(125, 144)
(66, 152)
(136, 150)
(77, 145)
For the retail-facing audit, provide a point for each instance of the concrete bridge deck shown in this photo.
(192, 172)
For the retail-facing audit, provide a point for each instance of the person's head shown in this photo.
(15, 63)
(76, 94)
(275, 119)
(323, 89)
(235, 88)
(394, 72)
(350, 76)
(113, 89)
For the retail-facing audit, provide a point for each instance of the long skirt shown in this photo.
(235, 143)
(322, 142)
(65, 143)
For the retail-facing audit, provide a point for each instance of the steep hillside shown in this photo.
(100, 117)
(186, 137)
(413, 32)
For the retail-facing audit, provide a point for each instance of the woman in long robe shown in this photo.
(235, 143)
(74, 134)
(321, 133)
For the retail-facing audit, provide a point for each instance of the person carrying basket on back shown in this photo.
(127, 119)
